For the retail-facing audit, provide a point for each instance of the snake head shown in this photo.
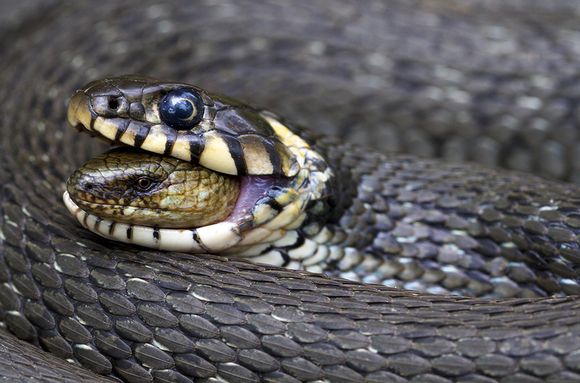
(136, 187)
(281, 177)
(182, 121)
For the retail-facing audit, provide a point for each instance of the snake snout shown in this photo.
(79, 112)
(82, 186)
(99, 98)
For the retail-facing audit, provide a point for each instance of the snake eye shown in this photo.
(144, 184)
(113, 103)
(181, 109)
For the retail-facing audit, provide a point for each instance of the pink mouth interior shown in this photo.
(252, 188)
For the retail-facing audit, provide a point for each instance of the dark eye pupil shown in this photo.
(144, 183)
(113, 103)
(181, 108)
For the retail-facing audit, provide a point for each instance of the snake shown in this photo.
(468, 273)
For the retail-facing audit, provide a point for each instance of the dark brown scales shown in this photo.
(346, 70)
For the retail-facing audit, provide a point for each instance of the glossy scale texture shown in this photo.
(104, 303)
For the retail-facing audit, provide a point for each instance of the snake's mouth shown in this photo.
(253, 208)
(203, 210)
(280, 175)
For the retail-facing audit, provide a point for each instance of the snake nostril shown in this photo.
(89, 186)
(113, 103)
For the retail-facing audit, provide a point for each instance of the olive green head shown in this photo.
(136, 187)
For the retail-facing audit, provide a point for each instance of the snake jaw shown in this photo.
(213, 238)
(232, 138)
(104, 198)
(263, 210)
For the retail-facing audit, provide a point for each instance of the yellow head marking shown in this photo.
(216, 155)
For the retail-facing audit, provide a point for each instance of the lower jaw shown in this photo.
(212, 238)
(222, 237)
(252, 189)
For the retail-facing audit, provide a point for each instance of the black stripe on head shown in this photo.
(196, 146)
(299, 242)
(286, 258)
(171, 135)
(274, 156)
(92, 123)
(236, 152)
(245, 225)
(121, 128)
(141, 135)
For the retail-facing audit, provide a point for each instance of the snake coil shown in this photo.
(145, 315)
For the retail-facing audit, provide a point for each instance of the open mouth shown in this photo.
(215, 238)
(277, 172)
(106, 210)
(253, 191)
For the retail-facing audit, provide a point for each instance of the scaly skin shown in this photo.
(139, 314)
(175, 193)
(58, 279)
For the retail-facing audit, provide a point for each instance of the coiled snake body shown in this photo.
(417, 224)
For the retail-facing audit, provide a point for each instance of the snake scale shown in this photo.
(399, 74)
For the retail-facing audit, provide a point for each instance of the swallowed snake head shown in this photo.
(136, 187)
(182, 121)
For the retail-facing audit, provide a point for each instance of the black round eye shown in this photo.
(181, 108)
(144, 183)
(113, 103)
